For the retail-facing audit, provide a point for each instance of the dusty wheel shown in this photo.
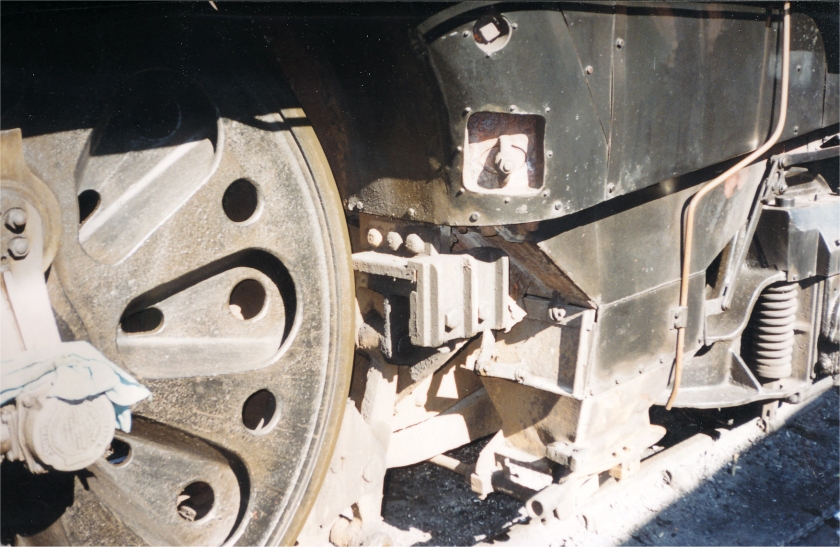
(204, 250)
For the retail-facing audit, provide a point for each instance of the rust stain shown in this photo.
(733, 183)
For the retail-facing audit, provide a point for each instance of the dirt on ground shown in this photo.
(731, 484)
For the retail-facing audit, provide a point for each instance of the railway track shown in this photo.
(715, 483)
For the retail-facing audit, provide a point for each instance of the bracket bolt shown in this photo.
(19, 247)
(16, 219)
(374, 237)
(452, 319)
(394, 240)
(414, 243)
(556, 314)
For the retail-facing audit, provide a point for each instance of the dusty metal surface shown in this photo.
(516, 237)
(687, 494)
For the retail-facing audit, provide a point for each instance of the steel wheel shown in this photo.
(204, 250)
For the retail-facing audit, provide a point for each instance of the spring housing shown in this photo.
(773, 335)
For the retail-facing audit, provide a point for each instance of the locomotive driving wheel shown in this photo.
(204, 250)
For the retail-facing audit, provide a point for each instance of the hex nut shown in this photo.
(374, 237)
(414, 243)
(452, 319)
(394, 240)
(16, 219)
(19, 247)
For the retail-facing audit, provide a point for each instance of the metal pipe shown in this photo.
(698, 197)
(448, 462)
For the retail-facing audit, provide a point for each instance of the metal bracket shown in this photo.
(680, 316)
(454, 296)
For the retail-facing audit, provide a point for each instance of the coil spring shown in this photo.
(773, 335)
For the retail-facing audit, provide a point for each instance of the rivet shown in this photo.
(467, 110)
(548, 109)
(411, 212)
(619, 43)
(557, 205)
(611, 188)
(589, 69)
(512, 107)
(546, 193)
(474, 217)
(549, 153)
(507, 200)
(459, 148)
(514, 26)
(466, 34)
(796, 129)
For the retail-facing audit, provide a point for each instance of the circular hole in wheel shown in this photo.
(119, 453)
(147, 320)
(240, 200)
(195, 501)
(88, 202)
(259, 413)
(247, 299)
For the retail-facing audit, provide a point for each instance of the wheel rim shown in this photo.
(211, 262)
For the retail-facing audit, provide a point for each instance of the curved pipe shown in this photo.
(698, 197)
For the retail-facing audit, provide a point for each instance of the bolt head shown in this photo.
(374, 237)
(474, 217)
(16, 219)
(452, 319)
(19, 247)
(414, 243)
(394, 240)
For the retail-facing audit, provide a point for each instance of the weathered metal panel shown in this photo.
(638, 248)
(537, 72)
(696, 88)
(634, 333)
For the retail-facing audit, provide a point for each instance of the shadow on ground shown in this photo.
(784, 491)
(440, 502)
